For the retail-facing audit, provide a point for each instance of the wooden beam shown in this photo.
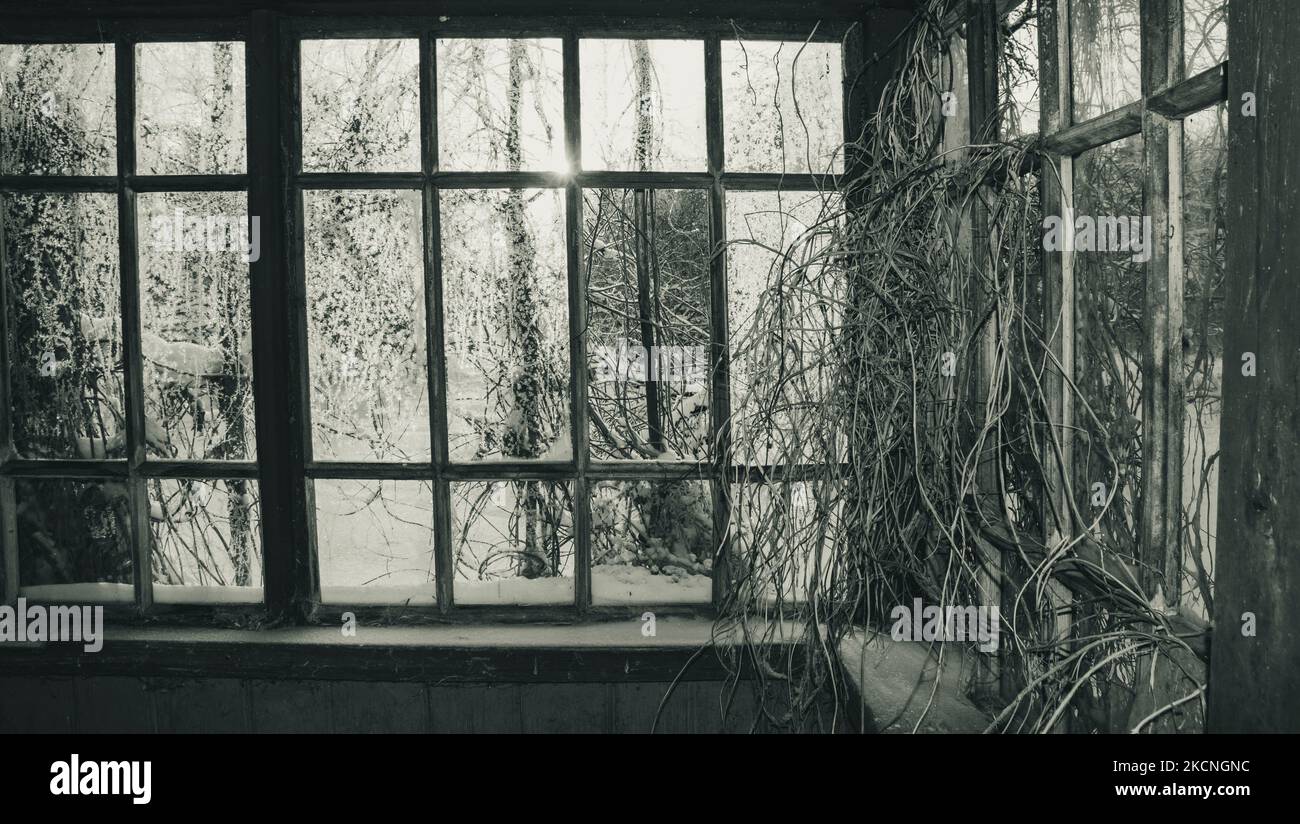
(1125, 121)
(1193, 94)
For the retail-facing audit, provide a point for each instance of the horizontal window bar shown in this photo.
(24, 468)
(1193, 94)
(739, 181)
(56, 183)
(370, 471)
(360, 180)
(657, 470)
(759, 181)
(207, 470)
(647, 180)
(188, 183)
(814, 27)
(1116, 125)
(71, 28)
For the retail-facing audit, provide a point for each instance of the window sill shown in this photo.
(615, 650)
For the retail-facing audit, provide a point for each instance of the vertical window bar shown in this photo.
(304, 571)
(720, 420)
(8, 510)
(577, 327)
(444, 571)
(286, 529)
(128, 256)
(1058, 298)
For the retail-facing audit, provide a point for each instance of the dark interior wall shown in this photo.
(125, 704)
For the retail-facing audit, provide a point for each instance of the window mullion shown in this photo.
(720, 362)
(288, 534)
(444, 569)
(133, 361)
(1158, 536)
(577, 327)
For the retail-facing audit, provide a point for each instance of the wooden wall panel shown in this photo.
(34, 704)
(207, 705)
(465, 708)
(378, 706)
(114, 704)
(291, 706)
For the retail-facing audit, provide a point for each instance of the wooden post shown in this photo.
(1254, 677)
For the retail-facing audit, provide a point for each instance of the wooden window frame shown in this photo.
(1167, 97)
(284, 468)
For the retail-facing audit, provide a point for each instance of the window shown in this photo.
(1143, 279)
(130, 375)
(513, 265)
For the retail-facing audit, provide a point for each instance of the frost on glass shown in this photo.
(74, 540)
(785, 299)
(197, 336)
(643, 105)
(190, 108)
(1018, 73)
(647, 258)
(1205, 34)
(652, 542)
(65, 335)
(1105, 54)
(512, 542)
(500, 105)
(784, 535)
(1205, 168)
(374, 541)
(57, 110)
(1109, 334)
(782, 105)
(505, 310)
(365, 326)
(360, 106)
(207, 541)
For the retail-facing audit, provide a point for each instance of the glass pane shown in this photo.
(647, 258)
(207, 541)
(505, 304)
(1205, 189)
(65, 333)
(1018, 73)
(190, 108)
(197, 336)
(1109, 338)
(652, 542)
(512, 542)
(785, 298)
(1105, 50)
(1205, 34)
(782, 106)
(74, 540)
(501, 105)
(374, 542)
(643, 105)
(365, 326)
(57, 112)
(360, 106)
(784, 537)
